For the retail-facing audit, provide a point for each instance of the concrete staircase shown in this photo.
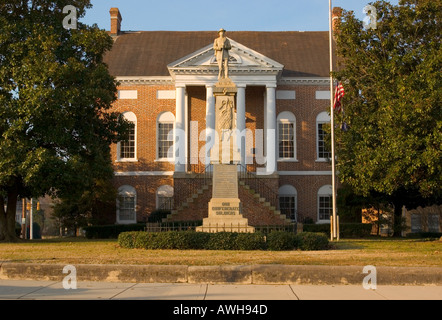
(263, 201)
(191, 209)
(186, 204)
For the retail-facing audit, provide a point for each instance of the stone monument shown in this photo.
(225, 206)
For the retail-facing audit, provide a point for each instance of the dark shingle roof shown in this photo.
(147, 53)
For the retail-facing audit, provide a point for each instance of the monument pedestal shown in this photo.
(225, 206)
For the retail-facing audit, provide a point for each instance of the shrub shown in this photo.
(191, 240)
(144, 240)
(346, 230)
(422, 235)
(158, 215)
(127, 239)
(222, 241)
(311, 241)
(323, 228)
(280, 241)
(17, 229)
(250, 241)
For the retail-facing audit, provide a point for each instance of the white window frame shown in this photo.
(286, 117)
(322, 118)
(289, 191)
(130, 191)
(131, 117)
(324, 191)
(164, 118)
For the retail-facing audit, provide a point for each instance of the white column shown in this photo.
(210, 121)
(270, 132)
(241, 121)
(180, 127)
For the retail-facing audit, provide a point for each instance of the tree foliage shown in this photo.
(392, 106)
(55, 95)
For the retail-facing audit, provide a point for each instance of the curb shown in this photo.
(252, 274)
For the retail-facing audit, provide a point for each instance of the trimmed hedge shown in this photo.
(307, 241)
(111, 231)
(423, 235)
(191, 240)
(281, 241)
(346, 230)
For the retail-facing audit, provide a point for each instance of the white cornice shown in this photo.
(160, 80)
(144, 173)
(257, 77)
(312, 81)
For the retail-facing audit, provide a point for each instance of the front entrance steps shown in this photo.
(256, 208)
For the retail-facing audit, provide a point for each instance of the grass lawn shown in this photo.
(378, 252)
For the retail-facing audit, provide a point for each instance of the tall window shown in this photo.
(127, 149)
(165, 198)
(286, 136)
(165, 127)
(288, 201)
(126, 205)
(322, 151)
(325, 205)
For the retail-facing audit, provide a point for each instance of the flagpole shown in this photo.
(332, 124)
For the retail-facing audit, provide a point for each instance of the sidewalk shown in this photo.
(53, 290)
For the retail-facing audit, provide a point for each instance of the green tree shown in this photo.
(84, 207)
(392, 106)
(55, 95)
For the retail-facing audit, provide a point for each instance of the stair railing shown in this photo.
(259, 186)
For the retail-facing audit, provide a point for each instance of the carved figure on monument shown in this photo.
(226, 115)
(222, 46)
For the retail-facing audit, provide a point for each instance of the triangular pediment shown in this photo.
(242, 60)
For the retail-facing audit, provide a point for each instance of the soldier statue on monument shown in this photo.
(222, 46)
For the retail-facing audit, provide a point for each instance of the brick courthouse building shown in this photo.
(166, 83)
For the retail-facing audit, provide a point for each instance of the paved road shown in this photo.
(54, 290)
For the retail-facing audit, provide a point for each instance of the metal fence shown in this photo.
(192, 225)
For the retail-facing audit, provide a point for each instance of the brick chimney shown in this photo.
(115, 21)
(336, 16)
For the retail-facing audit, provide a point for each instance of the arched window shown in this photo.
(286, 136)
(325, 204)
(127, 150)
(165, 198)
(288, 197)
(165, 137)
(126, 205)
(322, 151)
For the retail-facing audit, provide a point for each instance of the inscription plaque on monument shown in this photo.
(225, 181)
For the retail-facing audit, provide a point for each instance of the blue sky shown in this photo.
(234, 15)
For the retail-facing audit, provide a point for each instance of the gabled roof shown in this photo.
(148, 53)
(242, 60)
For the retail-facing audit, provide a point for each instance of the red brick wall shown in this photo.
(146, 188)
(305, 108)
(147, 108)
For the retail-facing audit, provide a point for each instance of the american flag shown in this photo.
(340, 93)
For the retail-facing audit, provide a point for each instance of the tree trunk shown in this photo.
(397, 223)
(7, 218)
